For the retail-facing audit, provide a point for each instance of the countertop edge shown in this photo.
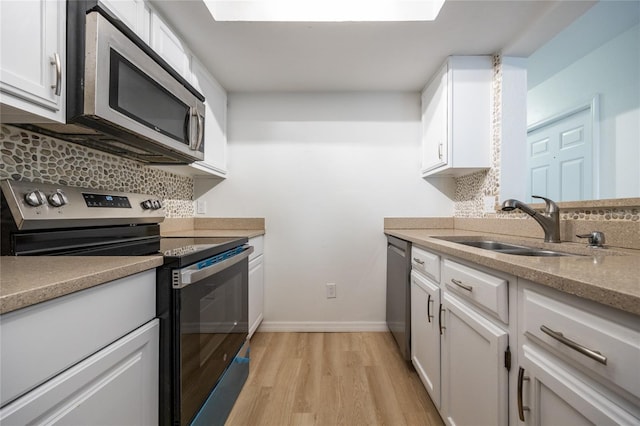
(615, 298)
(62, 287)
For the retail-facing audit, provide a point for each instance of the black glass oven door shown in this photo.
(213, 327)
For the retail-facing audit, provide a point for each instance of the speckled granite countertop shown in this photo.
(23, 284)
(610, 277)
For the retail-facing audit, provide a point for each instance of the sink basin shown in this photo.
(506, 248)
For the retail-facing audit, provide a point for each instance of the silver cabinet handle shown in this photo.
(429, 316)
(521, 407)
(595, 355)
(440, 151)
(58, 85)
(463, 286)
(418, 261)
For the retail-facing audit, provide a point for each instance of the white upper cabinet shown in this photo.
(32, 60)
(167, 44)
(215, 121)
(133, 13)
(456, 117)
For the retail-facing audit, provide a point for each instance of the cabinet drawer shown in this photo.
(583, 337)
(486, 290)
(425, 262)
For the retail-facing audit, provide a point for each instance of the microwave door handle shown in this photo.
(200, 139)
(193, 141)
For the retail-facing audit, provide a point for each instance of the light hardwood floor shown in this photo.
(327, 379)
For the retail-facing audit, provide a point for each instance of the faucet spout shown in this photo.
(549, 220)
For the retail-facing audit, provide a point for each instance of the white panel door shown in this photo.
(435, 122)
(560, 158)
(552, 395)
(474, 379)
(32, 36)
(116, 386)
(425, 333)
(256, 293)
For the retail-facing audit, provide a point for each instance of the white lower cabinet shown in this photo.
(475, 388)
(256, 284)
(574, 361)
(87, 358)
(579, 362)
(425, 333)
(551, 395)
(116, 386)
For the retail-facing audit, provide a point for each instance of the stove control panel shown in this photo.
(41, 206)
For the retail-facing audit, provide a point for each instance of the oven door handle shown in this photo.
(191, 274)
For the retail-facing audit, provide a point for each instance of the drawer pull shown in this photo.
(418, 261)
(429, 316)
(521, 407)
(463, 286)
(595, 355)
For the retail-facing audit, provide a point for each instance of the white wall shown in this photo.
(324, 170)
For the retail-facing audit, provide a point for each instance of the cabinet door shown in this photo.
(256, 293)
(435, 122)
(425, 333)
(215, 132)
(117, 385)
(133, 13)
(165, 42)
(552, 395)
(32, 59)
(474, 379)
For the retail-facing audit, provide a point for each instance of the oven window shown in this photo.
(139, 97)
(213, 328)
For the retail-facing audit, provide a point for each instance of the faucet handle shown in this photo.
(551, 207)
(596, 238)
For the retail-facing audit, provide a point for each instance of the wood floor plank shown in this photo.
(326, 379)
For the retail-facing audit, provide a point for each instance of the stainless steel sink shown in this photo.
(506, 248)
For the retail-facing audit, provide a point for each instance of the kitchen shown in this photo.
(322, 168)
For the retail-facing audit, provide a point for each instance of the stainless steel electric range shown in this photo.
(201, 294)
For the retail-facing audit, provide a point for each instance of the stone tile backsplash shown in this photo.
(38, 158)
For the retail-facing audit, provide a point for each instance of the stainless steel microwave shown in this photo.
(122, 97)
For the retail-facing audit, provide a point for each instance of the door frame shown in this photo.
(593, 105)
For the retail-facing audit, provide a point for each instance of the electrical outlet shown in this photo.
(201, 207)
(331, 290)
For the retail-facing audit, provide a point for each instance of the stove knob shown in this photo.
(156, 204)
(57, 199)
(146, 205)
(35, 198)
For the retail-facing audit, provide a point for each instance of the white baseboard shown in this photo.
(320, 327)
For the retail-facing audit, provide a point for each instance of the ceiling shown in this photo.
(349, 56)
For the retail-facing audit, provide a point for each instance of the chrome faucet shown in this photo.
(549, 220)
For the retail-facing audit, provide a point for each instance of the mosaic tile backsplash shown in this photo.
(471, 190)
(37, 158)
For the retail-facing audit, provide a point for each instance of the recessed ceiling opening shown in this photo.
(324, 10)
